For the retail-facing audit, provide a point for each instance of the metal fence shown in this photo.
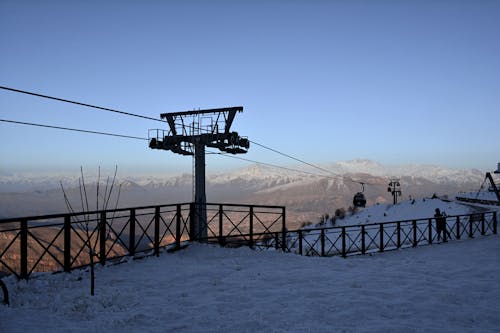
(236, 225)
(65, 241)
(380, 237)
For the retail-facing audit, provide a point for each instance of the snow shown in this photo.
(406, 210)
(449, 287)
(480, 195)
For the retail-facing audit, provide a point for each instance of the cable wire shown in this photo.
(272, 165)
(155, 119)
(80, 103)
(301, 161)
(71, 129)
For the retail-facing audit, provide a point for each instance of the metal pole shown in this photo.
(221, 226)
(102, 239)
(344, 247)
(430, 231)
(495, 223)
(381, 237)
(398, 229)
(178, 227)
(322, 242)
(24, 249)
(363, 242)
(471, 232)
(458, 227)
(283, 230)
(157, 231)
(483, 229)
(415, 240)
(192, 219)
(251, 226)
(200, 198)
(300, 242)
(67, 243)
(131, 243)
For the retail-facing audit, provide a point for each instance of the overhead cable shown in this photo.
(80, 103)
(272, 165)
(299, 160)
(72, 129)
(155, 119)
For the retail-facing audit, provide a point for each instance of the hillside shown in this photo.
(306, 196)
(407, 210)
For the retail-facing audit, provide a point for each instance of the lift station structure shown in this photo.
(188, 134)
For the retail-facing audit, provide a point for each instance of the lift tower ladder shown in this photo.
(189, 133)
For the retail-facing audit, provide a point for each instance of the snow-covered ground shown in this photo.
(407, 210)
(479, 195)
(449, 287)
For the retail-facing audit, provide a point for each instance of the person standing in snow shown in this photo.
(441, 225)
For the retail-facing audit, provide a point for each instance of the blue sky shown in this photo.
(394, 81)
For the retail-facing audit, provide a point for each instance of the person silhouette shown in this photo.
(441, 225)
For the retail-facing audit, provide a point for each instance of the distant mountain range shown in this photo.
(306, 196)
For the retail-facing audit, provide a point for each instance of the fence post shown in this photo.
(430, 231)
(381, 231)
(283, 230)
(221, 226)
(415, 240)
(192, 219)
(458, 227)
(300, 242)
(276, 240)
(322, 239)
(483, 229)
(24, 249)
(102, 238)
(363, 244)
(495, 223)
(445, 231)
(67, 243)
(157, 231)
(471, 232)
(178, 227)
(131, 239)
(5, 293)
(251, 226)
(398, 232)
(344, 248)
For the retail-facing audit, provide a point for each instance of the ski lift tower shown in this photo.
(188, 134)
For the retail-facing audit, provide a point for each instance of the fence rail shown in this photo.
(63, 241)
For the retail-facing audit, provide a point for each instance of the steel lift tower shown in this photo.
(189, 133)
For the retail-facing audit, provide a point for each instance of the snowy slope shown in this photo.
(406, 210)
(440, 288)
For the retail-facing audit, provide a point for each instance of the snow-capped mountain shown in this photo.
(306, 192)
(434, 173)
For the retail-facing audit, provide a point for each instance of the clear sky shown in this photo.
(394, 81)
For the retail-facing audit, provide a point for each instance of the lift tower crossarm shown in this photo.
(205, 111)
(191, 138)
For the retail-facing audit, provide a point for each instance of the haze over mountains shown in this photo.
(306, 196)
